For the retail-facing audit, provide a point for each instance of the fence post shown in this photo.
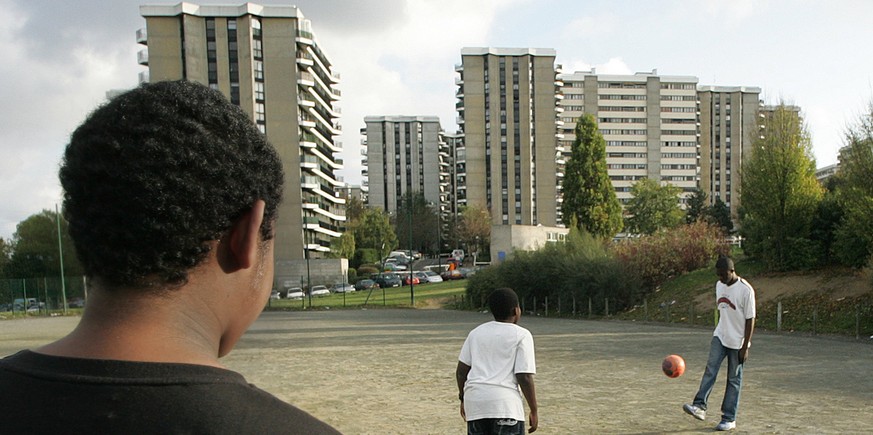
(646, 309)
(857, 322)
(559, 305)
(606, 302)
(535, 306)
(547, 306)
(815, 320)
(691, 313)
(779, 316)
(589, 308)
(574, 305)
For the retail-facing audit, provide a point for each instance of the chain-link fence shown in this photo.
(41, 296)
(850, 317)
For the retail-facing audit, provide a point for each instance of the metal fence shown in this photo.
(849, 317)
(40, 296)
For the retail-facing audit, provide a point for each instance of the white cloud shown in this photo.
(590, 26)
(615, 65)
(49, 98)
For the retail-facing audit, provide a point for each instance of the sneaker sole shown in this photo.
(691, 413)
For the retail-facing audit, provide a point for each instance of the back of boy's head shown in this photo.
(155, 175)
(502, 303)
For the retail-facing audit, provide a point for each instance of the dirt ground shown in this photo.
(392, 372)
(837, 285)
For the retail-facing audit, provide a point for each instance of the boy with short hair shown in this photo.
(497, 358)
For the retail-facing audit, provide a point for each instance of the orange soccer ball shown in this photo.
(673, 366)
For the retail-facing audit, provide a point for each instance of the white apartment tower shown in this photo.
(266, 60)
(405, 154)
(729, 124)
(507, 113)
(650, 124)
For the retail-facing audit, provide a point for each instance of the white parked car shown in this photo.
(295, 293)
(433, 276)
(319, 290)
(342, 288)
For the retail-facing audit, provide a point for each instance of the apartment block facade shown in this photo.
(266, 60)
(650, 124)
(405, 154)
(729, 125)
(507, 113)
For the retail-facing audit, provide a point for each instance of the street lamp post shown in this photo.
(411, 284)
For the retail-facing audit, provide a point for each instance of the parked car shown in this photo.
(342, 288)
(294, 293)
(413, 278)
(319, 290)
(274, 295)
(394, 263)
(76, 303)
(452, 274)
(422, 277)
(366, 284)
(386, 280)
(433, 276)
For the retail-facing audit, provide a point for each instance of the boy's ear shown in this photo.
(244, 238)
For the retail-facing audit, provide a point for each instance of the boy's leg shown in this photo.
(717, 353)
(731, 401)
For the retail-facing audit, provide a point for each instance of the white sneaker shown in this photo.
(726, 425)
(695, 411)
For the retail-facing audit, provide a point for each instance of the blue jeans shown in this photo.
(717, 354)
(495, 426)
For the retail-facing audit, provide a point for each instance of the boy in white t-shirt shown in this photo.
(497, 358)
(735, 299)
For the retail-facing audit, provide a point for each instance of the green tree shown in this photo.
(696, 206)
(588, 192)
(853, 239)
(414, 210)
(354, 210)
(374, 231)
(344, 246)
(719, 214)
(653, 207)
(5, 254)
(474, 230)
(780, 193)
(35, 248)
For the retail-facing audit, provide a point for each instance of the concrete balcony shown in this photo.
(142, 57)
(142, 37)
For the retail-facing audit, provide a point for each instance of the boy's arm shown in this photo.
(526, 382)
(461, 377)
(747, 338)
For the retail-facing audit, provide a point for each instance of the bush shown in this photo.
(666, 254)
(367, 269)
(561, 273)
(365, 256)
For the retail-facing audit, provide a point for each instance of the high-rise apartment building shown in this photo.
(649, 122)
(266, 60)
(729, 118)
(405, 154)
(507, 113)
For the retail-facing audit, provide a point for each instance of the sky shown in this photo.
(397, 57)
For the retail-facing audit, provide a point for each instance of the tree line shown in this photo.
(787, 219)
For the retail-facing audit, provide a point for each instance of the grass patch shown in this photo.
(425, 295)
(676, 301)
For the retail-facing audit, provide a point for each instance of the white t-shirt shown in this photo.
(736, 303)
(496, 351)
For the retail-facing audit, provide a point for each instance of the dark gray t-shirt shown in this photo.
(48, 394)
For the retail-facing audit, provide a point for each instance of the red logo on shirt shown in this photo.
(727, 301)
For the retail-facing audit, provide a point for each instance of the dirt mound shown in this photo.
(836, 284)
